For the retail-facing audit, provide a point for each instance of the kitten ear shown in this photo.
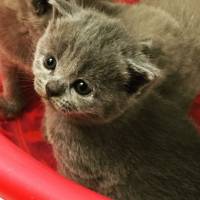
(140, 76)
(64, 8)
(151, 48)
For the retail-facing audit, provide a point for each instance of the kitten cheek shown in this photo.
(38, 86)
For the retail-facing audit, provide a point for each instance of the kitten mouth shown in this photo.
(68, 111)
(60, 106)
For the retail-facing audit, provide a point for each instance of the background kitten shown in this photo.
(171, 40)
(111, 126)
(21, 24)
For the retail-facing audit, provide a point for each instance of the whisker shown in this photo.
(27, 89)
(25, 82)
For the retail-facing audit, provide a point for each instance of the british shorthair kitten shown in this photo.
(111, 125)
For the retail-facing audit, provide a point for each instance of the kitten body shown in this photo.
(115, 122)
(21, 24)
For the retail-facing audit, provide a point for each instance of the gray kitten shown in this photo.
(112, 127)
(21, 24)
(175, 50)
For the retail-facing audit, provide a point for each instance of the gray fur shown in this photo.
(127, 138)
(21, 24)
(172, 30)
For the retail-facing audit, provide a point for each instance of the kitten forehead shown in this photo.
(89, 45)
(87, 28)
(80, 41)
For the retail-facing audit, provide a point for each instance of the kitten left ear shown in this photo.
(63, 7)
(140, 76)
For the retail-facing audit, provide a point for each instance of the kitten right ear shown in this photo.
(141, 75)
(63, 8)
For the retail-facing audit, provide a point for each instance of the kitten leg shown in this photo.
(11, 101)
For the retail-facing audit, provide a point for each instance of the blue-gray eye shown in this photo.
(50, 63)
(81, 87)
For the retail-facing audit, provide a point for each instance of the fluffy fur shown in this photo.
(21, 24)
(115, 106)
(173, 47)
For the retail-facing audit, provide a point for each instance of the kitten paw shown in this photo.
(9, 109)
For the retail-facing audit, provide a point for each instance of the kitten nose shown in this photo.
(54, 88)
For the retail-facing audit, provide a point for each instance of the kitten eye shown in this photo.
(50, 63)
(81, 87)
(40, 6)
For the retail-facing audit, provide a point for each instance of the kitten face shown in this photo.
(86, 65)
